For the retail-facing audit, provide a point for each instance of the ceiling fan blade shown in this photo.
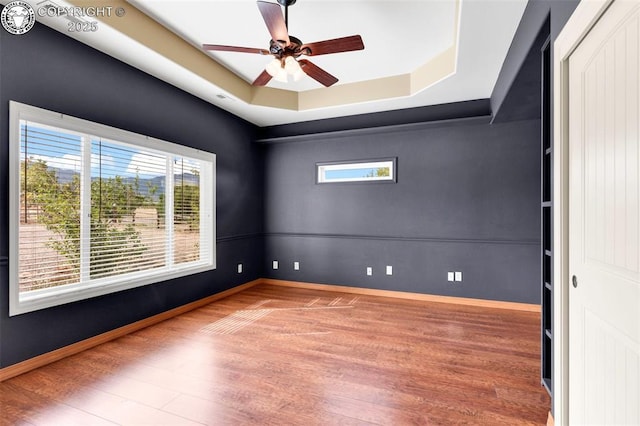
(336, 45)
(262, 79)
(272, 15)
(317, 73)
(222, 48)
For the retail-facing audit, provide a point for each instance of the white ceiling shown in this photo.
(399, 37)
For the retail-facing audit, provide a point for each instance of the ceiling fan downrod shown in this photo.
(286, 4)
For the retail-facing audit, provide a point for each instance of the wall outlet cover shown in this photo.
(389, 270)
(450, 276)
(369, 270)
(458, 276)
(296, 266)
(239, 268)
(274, 264)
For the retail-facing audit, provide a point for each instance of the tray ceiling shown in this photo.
(417, 53)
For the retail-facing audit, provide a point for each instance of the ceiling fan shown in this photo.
(286, 49)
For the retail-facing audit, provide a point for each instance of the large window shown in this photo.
(96, 209)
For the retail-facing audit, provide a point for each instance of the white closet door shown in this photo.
(604, 218)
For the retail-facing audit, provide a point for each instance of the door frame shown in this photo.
(577, 27)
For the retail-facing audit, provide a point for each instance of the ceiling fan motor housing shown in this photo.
(280, 50)
(287, 3)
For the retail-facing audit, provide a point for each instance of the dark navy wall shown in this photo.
(524, 98)
(517, 82)
(467, 199)
(50, 70)
(369, 122)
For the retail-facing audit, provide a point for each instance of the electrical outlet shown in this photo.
(459, 276)
(274, 264)
(239, 268)
(296, 266)
(450, 277)
(389, 270)
(369, 270)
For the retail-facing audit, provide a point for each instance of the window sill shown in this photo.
(47, 298)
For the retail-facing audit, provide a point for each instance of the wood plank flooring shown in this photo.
(285, 356)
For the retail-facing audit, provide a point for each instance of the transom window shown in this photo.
(357, 171)
(96, 209)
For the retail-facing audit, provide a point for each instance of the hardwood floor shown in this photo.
(274, 355)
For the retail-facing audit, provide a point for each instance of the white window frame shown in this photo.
(45, 298)
(323, 168)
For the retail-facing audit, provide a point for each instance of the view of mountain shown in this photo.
(145, 185)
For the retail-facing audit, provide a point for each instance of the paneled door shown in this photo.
(604, 219)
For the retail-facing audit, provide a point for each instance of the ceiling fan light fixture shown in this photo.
(280, 69)
(293, 68)
(281, 76)
(274, 67)
(291, 65)
(298, 75)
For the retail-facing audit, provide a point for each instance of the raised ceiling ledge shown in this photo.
(143, 29)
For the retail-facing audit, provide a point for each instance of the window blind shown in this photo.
(49, 235)
(93, 208)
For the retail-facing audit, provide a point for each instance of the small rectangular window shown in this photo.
(357, 171)
(96, 209)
